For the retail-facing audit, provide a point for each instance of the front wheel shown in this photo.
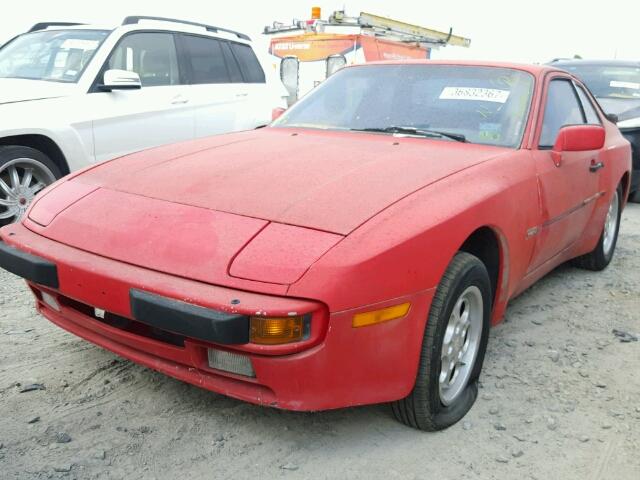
(601, 256)
(453, 348)
(24, 171)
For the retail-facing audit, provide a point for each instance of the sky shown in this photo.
(531, 32)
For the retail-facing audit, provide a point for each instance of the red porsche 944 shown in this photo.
(355, 251)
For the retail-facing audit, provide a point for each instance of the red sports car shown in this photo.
(354, 252)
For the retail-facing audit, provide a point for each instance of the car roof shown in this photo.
(531, 68)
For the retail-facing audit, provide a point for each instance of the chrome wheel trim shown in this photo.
(610, 225)
(460, 344)
(20, 181)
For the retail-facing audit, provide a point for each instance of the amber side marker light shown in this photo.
(278, 330)
(382, 315)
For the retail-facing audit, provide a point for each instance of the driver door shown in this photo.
(159, 113)
(568, 185)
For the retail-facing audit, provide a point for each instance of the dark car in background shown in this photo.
(616, 86)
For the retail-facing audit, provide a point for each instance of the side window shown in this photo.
(289, 70)
(206, 60)
(562, 109)
(151, 55)
(249, 64)
(335, 63)
(589, 109)
(232, 64)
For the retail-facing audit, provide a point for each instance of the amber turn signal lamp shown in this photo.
(276, 330)
(379, 316)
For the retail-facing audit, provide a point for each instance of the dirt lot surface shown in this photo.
(560, 399)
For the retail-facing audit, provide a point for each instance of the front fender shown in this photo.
(407, 247)
(56, 119)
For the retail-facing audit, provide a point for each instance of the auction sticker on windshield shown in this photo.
(619, 84)
(473, 93)
(79, 44)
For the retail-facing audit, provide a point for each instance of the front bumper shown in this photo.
(337, 366)
(27, 266)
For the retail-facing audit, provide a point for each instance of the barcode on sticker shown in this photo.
(474, 93)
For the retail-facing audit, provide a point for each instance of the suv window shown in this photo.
(587, 105)
(206, 60)
(151, 55)
(249, 64)
(562, 109)
(232, 64)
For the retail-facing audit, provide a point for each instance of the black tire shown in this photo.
(10, 153)
(423, 408)
(598, 259)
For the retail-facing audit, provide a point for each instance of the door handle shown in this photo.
(595, 166)
(179, 100)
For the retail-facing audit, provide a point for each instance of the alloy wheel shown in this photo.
(611, 224)
(460, 344)
(20, 181)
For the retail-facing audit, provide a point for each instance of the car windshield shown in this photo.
(52, 55)
(486, 105)
(617, 87)
(609, 81)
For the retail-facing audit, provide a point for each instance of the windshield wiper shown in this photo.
(423, 132)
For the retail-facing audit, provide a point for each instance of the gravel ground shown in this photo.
(560, 399)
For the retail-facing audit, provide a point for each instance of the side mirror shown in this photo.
(578, 138)
(612, 117)
(120, 80)
(277, 112)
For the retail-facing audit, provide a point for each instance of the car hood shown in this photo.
(255, 206)
(13, 90)
(329, 181)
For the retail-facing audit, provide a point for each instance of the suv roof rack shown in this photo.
(45, 25)
(132, 20)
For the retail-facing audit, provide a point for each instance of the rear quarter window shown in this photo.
(248, 62)
(589, 109)
(206, 60)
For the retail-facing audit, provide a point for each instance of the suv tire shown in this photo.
(24, 172)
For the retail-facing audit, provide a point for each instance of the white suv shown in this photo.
(72, 95)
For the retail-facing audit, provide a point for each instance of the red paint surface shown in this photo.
(324, 223)
(580, 138)
(281, 253)
(181, 240)
(312, 181)
(58, 199)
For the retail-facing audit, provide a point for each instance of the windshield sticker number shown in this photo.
(476, 94)
(619, 84)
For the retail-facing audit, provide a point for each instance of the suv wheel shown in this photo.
(24, 171)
